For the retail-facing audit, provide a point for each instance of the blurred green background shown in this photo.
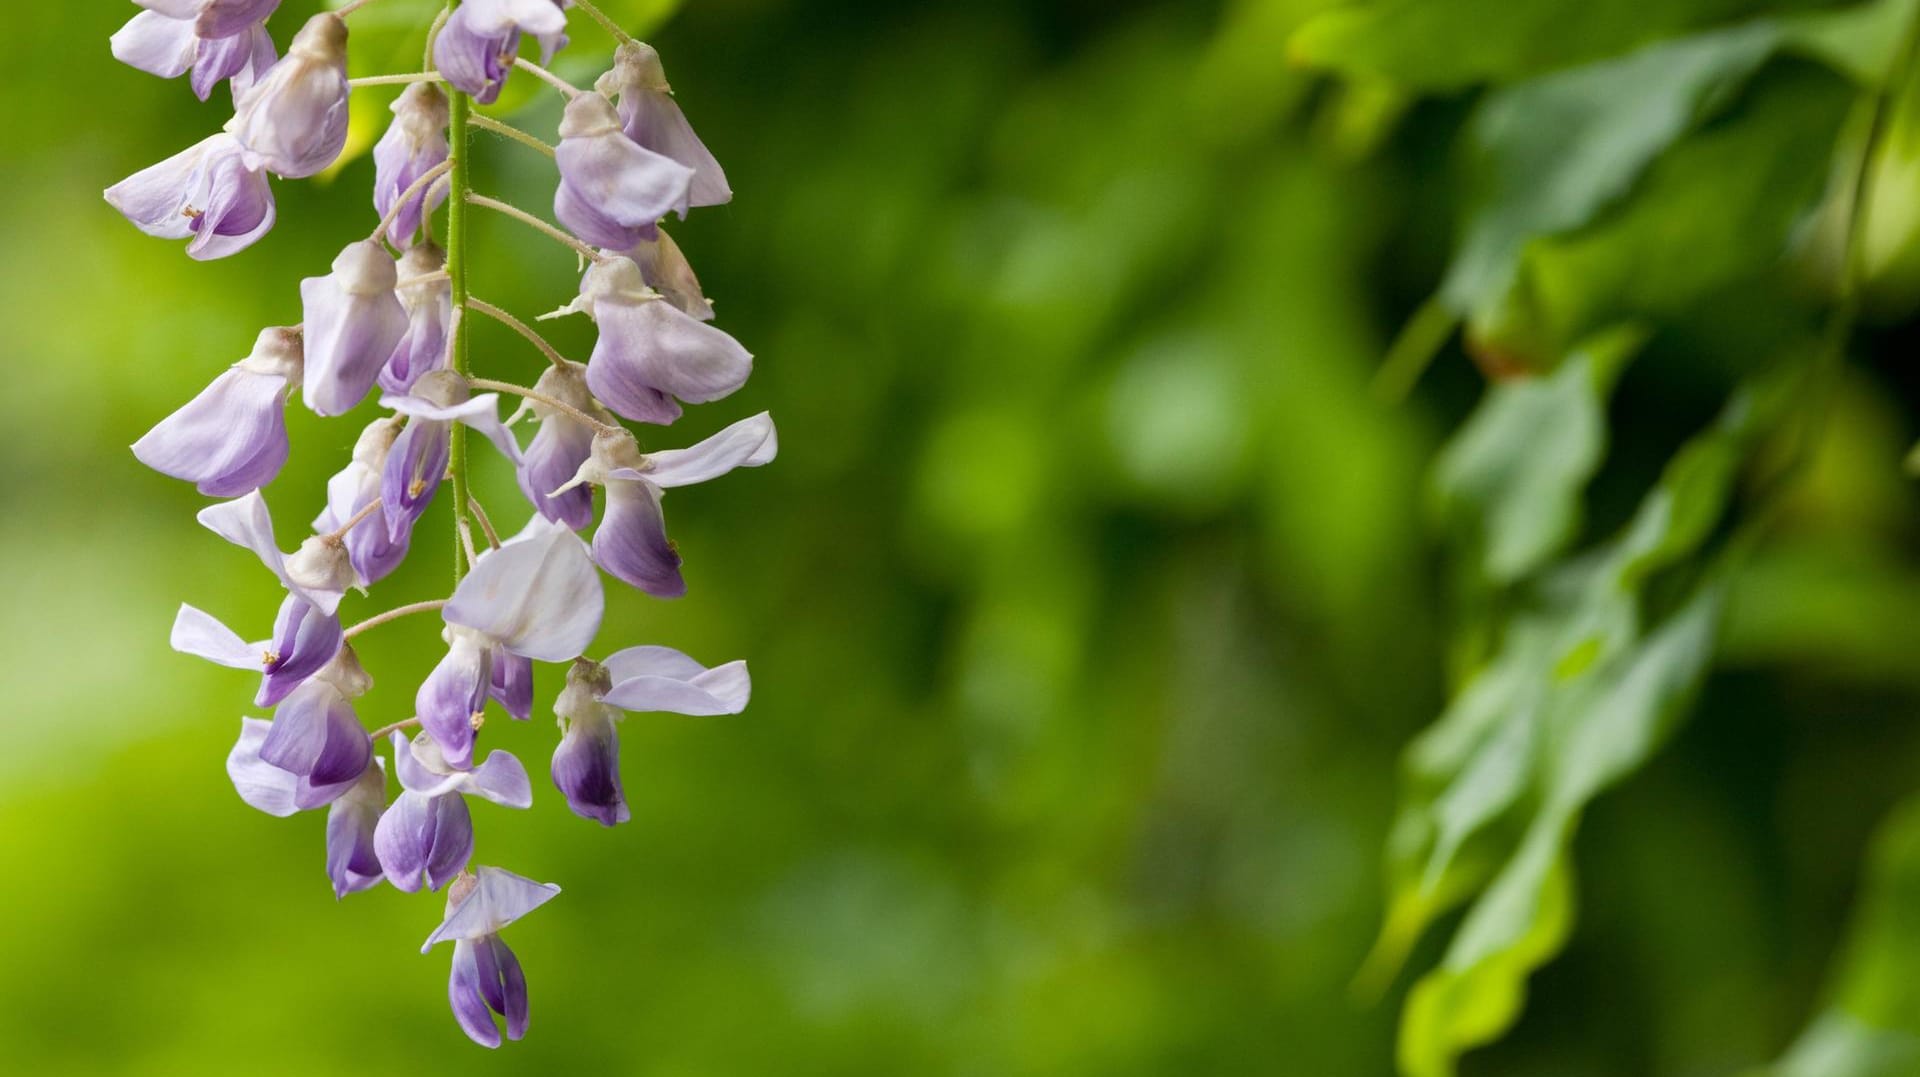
(1089, 605)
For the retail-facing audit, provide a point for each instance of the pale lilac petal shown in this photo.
(748, 443)
(474, 63)
(666, 270)
(413, 473)
(354, 321)
(528, 16)
(423, 841)
(429, 307)
(512, 683)
(223, 18)
(244, 57)
(631, 542)
(606, 177)
(229, 440)
(551, 460)
(653, 119)
(230, 205)
(652, 347)
(155, 198)
(352, 863)
(464, 993)
(452, 694)
(586, 770)
(293, 122)
(480, 414)
(305, 639)
(663, 679)
(501, 779)
(415, 143)
(262, 785)
(537, 595)
(497, 898)
(200, 634)
(156, 44)
(246, 523)
(316, 736)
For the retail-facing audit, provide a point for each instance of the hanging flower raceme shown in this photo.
(414, 145)
(561, 445)
(586, 765)
(613, 192)
(486, 975)
(293, 122)
(205, 193)
(373, 549)
(631, 542)
(536, 597)
(652, 118)
(426, 836)
(354, 321)
(232, 438)
(402, 323)
(215, 39)
(419, 458)
(651, 351)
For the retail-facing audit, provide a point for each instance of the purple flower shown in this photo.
(536, 597)
(426, 835)
(561, 445)
(586, 765)
(415, 144)
(476, 47)
(419, 458)
(651, 117)
(354, 321)
(205, 192)
(372, 548)
(316, 737)
(612, 191)
(666, 270)
(232, 438)
(293, 122)
(217, 40)
(486, 976)
(511, 683)
(427, 296)
(650, 351)
(631, 542)
(352, 863)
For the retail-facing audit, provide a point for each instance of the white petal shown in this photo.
(498, 898)
(538, 594)
(747, 443)
(200, 634)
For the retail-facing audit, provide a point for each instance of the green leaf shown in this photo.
(1871, 1028)
(1509, 484)
(1441, 45)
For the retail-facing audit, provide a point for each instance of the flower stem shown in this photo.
(531, 221)
(384, 731)
(462, 180)
(413, 190)
(395, 80)
(608, 24)
(360, 517)
(547, 77)
(543, 399)
(395, 614)
(481, 306)
(507, 130)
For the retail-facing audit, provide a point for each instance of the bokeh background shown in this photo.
(1089, 604)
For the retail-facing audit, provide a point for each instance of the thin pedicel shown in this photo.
(393, 312)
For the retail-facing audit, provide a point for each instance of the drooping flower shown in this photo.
(306, 633)
(352, 863)
(650, 351)
(631, 542)
(426, 835)
(651, 117)
(232, 438)
(612, 190)
(205, 193)
(537, 597)
(476, 47)
(372, 547)
(293, 122)
(315, 735)
(561, 445)
(216, 40)
(419, 458)
(586, 765)
(354, 321)
(427, 296)
(415, 144)
(487, 978)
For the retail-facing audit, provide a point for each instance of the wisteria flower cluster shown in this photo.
(390, 316)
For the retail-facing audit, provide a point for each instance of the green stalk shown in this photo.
(457, 210)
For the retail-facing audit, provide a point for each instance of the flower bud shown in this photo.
(415, 144)
(321, 564)
(651, 352)
(206, 192)
(561, 446)
(354, 321)
(232, 438)
(652, 118)
(352, 862)
(612, 191)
